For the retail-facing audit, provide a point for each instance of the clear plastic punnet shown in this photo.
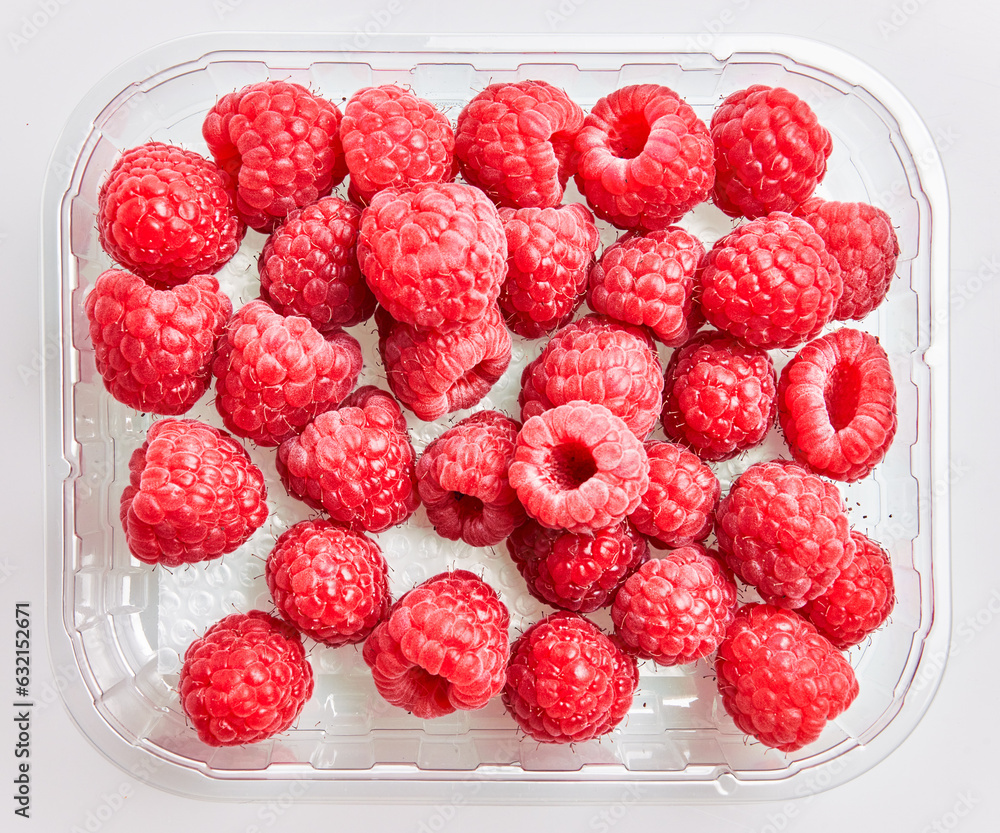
(123, 626)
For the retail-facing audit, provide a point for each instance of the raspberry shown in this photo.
(309, 267)
(577, 572)
(859, 600)
(434, 256)
(675, 609)
(719, 396)
(515, 141)
(600, 361)
(837, 405)
(860, 237)
(434, 373)
(645, 158)
(567, 681)
(550, 251)
(771, 282)
(780, 679)
(329, 582)
(355, 463)
(678, 508)
(462, 479)
(649, 281)
(193, 495)
(393, 139)
(578, 467)
(275, 373)
(245, 680)
(443, 647)
(154, 348)
(770, 151)
(281, 143)
(167, 214)
(785, 532)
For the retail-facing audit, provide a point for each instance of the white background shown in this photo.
(942, 55)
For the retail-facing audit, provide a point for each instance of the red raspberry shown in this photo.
(393, 139)
(275, 373)
(784, 531)
(860, 237)
(434, 256)
(193, 495)
(309, 267)
(154, 348)
(515, 141)
(329, 582)
(550, 251)
(860, 599)
(434, 373)
(645, 158)
(578, 467)
(837, 404)
(678, 508)
(770, 151)
(245, 680)
(355, 463)
(443, 647)
(675, 609)
(600, 361)
(771, 282)
(281, 143)
(462, 478)
(649, 281)
(567, 681)
(780, 679)
(577, 572)
(719, 396)
(167, 213)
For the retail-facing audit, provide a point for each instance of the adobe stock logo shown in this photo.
(31, 24)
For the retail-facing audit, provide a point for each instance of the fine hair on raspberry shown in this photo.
(245, 680)
(329, 582)
(193, 494)
(443, 646)
(309, 266)
(394, 139)
(355, 463)
(434, 256)
(645, 158)
(598, 360)
(719, 396)
(568, 681)
(860, 599)
(578, 467)
(515, 142)
(780, 679)
(770, 151)
(754, 526)
(837, 404)
(274, 373)
(575, 571)
(649, 280)
(771, 282)
(675, 609)
(434, 373)
(860, 237)
(154, 348)
(281, 144)
(167, 214)
(462, 479)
